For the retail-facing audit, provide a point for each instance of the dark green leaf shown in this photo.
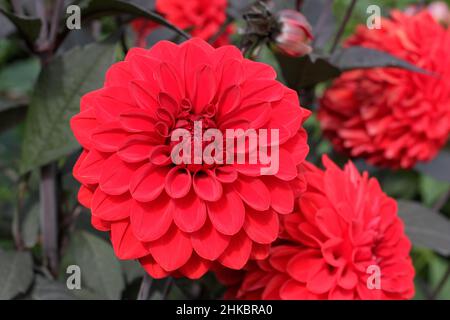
(425, 227)
(12, 117)
(46, 289)
(132, 270)
(320, 15)
(432, 190)
(16, 273)
(28, 27)
(437, 168)
(305, 71)
(18, 78)
(6, 26)
(56, 99)
(101, 8)
(359, 58)
(100, 270)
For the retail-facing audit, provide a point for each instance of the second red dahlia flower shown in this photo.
(178, 219)
(393, 117)
(345, 242)
(202, 18)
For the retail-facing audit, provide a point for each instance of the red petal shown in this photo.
(287, 169)
(238, 252)
(206, 186)
(297, 147)
(293, 290)
(228, 213)
(208, 242)
(262, 89)
(253, 192)
(111, 208)
(226, 174)
(172, 250)
(258, 70)
(143, 66)
(151, 220)
(111, 102)
(178, 182)
(195, 268)
(189, 213)
(260, 251)
(116, 175)
(137, 120)
(85, 196)
(160, 156)
(100, 224)
(144, 93)
(262, 227)
(125, 244)
(272, 290)
(322, 281)
(118, 74)
(205, 88)
(281, 255)
(289, 114)
(136, 148)
(88, 168)
(148, 182)
(82, 126)
(167, 79)
(153, 268)
(229, 101)
(281, 195)
(108, 137)
(304, 265)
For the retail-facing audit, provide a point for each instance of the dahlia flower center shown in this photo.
(193, 141)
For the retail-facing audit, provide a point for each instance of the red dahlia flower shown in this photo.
(393, 117)
(202, 18)
(346, 242)
(177, 219)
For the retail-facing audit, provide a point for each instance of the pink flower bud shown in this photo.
(440, 11)
(295, 34)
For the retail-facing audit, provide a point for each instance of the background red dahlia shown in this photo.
(345, 233)
(202, 18)
(393, 117)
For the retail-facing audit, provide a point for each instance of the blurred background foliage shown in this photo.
(29, 276)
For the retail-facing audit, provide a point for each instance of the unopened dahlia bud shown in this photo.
(295, 34)
(440, 12)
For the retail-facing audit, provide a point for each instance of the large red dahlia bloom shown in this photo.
(177, 219)
(345, 235)
(202, 18)
(393, 117)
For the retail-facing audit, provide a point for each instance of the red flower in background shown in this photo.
(177, 220)
(393, 117)
(202, 18)
(345, 225)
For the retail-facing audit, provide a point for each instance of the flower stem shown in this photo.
(146, 286)
(441, 284)
(341, 29)
(49, 217)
